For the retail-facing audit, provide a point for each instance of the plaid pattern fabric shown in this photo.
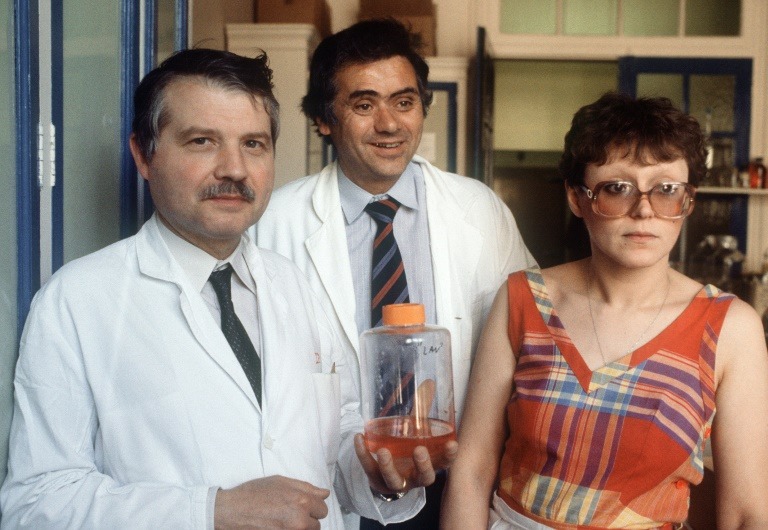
(617, 447)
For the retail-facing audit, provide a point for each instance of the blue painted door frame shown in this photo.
(27, 114)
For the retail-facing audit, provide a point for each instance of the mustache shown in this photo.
(229, 188)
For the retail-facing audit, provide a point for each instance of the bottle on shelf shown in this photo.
(709, 178)
(756, 171)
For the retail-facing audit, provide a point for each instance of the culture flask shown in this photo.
(407, 386)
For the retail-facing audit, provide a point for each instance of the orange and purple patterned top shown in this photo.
(617, 447)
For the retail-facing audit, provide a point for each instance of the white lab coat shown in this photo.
(474, 241)
(130, 404)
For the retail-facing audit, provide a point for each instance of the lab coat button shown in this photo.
(267, 442)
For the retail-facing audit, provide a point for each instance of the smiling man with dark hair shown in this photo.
(456, 241)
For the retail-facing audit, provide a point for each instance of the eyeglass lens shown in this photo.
(619, 198)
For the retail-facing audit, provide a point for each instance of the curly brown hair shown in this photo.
(647, 129)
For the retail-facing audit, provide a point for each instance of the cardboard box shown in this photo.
(314, 12)
(209, 18)
(417, 15)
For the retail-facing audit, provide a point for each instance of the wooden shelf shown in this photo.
(731, 191)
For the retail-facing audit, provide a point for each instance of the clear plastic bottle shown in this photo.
(407, 386)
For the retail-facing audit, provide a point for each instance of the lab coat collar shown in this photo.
(327, 247)
(156, 260)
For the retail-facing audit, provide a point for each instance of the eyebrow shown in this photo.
(202, 131)
(197, 131)
(372, 93)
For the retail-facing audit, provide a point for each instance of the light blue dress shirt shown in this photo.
(411, 232)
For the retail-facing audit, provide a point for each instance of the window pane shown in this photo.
(528, 16)
(650, 17)
(712, 17)
(91, 125)
(714, 93)
(658, 85)
(8, 276)
(589, 17)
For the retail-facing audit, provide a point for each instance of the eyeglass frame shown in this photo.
(593, 193)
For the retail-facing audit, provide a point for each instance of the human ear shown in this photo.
(573, 200)
(138, 157)
(323, 128)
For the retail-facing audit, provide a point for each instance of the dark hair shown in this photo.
(645, 128)
(220, 68)
(365, 42)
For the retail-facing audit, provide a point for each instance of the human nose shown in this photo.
(386, 121)
(230, 164)
(643, 207)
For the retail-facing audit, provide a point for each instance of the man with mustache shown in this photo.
(183, 378)
(456, 241)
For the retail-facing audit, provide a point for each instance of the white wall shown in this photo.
(531, 112)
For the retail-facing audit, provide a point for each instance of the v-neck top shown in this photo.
(615, 447)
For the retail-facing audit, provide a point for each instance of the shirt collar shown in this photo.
(198, 264)
(354, 199)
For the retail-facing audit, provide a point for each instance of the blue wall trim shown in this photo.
(181, 33)
(129, 58)
(57, 108)
(150, 35)
(150, 61)
(27, 189)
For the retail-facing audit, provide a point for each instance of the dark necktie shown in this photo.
(234, 331)
(388, 284)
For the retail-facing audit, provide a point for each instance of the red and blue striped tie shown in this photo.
(388, 283)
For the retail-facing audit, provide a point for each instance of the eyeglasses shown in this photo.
(617, 198)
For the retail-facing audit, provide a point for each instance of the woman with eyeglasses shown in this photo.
(598, 383)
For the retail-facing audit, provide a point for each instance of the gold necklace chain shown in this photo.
(647, 328)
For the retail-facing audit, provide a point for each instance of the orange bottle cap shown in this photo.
(403, 314)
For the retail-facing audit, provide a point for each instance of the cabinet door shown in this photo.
(482, 111)
(721, 86)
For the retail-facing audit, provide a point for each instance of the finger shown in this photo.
(320, 493)
(394, 481)
(425, 471)
(308, 488)
(451, 452)
(318, 509)
(369, 464)
(366, 459)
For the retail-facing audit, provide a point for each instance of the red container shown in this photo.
(757, 174)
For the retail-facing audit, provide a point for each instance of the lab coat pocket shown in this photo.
(328, 402)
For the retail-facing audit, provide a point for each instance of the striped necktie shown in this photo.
(388, 283)
(233, 329)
